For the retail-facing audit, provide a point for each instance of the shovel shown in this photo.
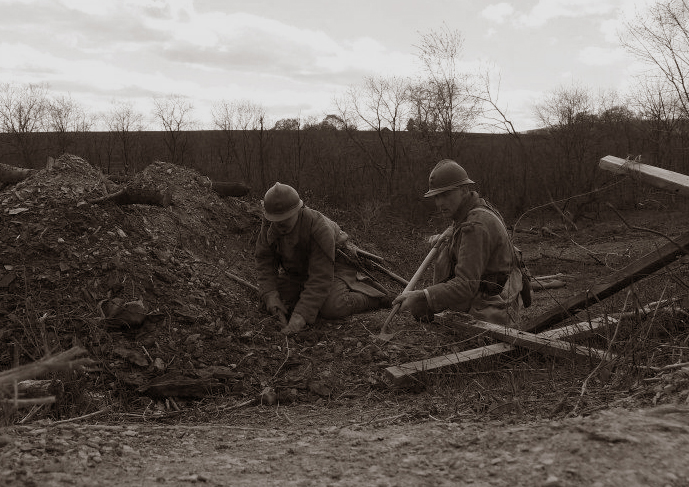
(384, 334)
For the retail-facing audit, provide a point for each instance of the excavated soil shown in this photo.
(195, 384)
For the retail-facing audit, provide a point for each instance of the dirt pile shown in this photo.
(66, 264)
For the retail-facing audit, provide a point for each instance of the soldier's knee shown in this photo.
(336, 307)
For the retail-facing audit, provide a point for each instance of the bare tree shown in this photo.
(23, 111)
(571, 117)
(519, 165)
(125, 124)
(292, 147)
(382, 105)
(660, 37)
(238, 120)
(447, 90)
(658, 105)
(174, 112)
(67, 117)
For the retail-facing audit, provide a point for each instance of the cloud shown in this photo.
(602, 56)
(498, 12)
(546, 10)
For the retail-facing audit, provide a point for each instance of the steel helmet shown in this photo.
(446, 175)
(281, 202)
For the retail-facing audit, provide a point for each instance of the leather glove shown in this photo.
(296, 324)
(416, 303)
(275, 306)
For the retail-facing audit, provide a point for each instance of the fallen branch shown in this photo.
(85, 416)
(64, 361)
(13, 175)
(136, 196)
(23, 403)
(241, 281)
(230, 189)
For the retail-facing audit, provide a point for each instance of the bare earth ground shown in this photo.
(522, 419)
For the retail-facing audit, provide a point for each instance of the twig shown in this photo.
(668, 367)
(32, 413)
(590, 253)
(566, 259)
(564, 217)
(286, 358)
(70, 420)
(600, 364)
(644, 229)
(22, 403)
(230, 275)
(241, 281)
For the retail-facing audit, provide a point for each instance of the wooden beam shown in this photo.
(655, 176)
(226, 188)
(399, 373)
(538, 343)
(68, 360)
(618, 280)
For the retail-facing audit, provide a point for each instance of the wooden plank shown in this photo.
(538, 343)
(618, 280)
(655, 176)
(398, 373)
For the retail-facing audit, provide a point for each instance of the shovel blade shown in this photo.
(385, 337)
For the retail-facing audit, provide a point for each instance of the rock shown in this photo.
(552, 481)
(268, 396)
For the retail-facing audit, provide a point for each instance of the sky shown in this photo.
(295, 57)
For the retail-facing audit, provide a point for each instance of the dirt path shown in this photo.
(611, 448)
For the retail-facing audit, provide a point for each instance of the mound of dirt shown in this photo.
(68, 266)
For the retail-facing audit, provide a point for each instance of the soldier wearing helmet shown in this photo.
(477, 270)
(299, 277)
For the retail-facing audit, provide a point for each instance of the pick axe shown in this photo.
(384, 334)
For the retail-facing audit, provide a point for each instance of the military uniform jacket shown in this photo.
(306, 255)
(477, 270)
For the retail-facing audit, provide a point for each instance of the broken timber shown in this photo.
(655, 176)
(397, 374)
(618, 280)
(547, 344)
(136, 196)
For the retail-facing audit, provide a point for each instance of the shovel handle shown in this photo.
(417, 275)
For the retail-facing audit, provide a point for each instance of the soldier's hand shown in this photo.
(296, 324)
(275, 306)
(416, 303)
